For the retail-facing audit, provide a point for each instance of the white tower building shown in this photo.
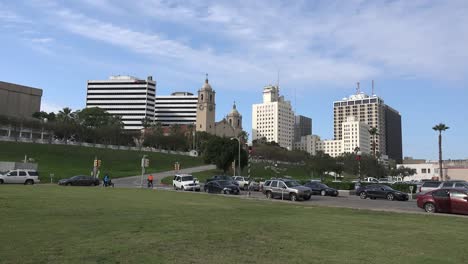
(273, 119)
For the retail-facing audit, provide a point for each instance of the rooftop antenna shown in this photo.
(373, 87)
(358, 89)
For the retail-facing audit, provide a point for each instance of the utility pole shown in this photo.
(144, 164)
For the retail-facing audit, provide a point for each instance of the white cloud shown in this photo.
(310, 42)
(48, 107)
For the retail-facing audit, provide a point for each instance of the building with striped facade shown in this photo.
(127, 97)
(177, 108)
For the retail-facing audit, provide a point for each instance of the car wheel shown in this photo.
(206, 190)
(323, 193)
(68, 184)
(1, 181)
(268, 195)
(293, 197)
(307, 198)
(182, 188)
(390, 197)
(363, 195)
(429, 207)
(175, 188)
(29, 182)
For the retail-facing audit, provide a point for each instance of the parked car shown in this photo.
(222, 178)
(242, 182)
(221, 186)
(322, 189)
(375, 191)
(433, 185)
(367, 179)
(185, 182)
(80, 180)
(446, 200)
(254, 186)
(286, 189)
(20, 176)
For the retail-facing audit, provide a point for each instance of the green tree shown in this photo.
(220, 151)
(440, 128)
(373, 132)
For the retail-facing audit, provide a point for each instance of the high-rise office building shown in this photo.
(373, 111)
(393, 139)
(302, 127)
(273, 119)
(177, 108)
(127, 97)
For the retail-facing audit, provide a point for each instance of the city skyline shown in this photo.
(320, 48)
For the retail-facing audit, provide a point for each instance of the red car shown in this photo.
(448, 200)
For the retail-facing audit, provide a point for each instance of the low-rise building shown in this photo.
(18, 100)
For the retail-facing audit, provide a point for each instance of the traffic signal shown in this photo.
(95, 164)
(99, 163)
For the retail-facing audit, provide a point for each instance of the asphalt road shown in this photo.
(135, 181)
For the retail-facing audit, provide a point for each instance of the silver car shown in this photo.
(20, 176)
(286, 189)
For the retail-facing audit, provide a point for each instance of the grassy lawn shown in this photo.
(66, 161)
(52, 224)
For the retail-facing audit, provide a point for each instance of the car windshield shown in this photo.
(75, 177)
(385, 187)
(321, 185)
(187, 178)
(291, 183)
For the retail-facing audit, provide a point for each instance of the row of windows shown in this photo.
(175, 112)
(99, 104)
(181, 116)
(137, 93)
(118, 98)
(121, 83)
(150, 90)
(175, 103)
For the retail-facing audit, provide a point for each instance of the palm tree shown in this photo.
(65, 115)
(440, 127)
(373, 132)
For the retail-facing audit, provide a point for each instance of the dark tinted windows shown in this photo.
(447, 184)
(33, 173)
(274, 184)
(431, 184)
(440, 194)
(22, 173)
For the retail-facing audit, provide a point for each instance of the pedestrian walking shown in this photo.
(150, 181)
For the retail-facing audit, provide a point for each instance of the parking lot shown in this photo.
(344, 200)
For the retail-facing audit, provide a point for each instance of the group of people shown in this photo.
(106, 181)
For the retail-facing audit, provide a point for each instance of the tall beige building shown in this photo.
(206, 108)
(355, 134)
(273, 119)
(367, 109)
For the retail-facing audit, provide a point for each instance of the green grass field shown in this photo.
(66, 161)
(53, 224)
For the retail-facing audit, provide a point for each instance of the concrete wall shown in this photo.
(6, 166)
(18, 100)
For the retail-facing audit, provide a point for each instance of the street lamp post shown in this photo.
(358, 157)
(238, 140)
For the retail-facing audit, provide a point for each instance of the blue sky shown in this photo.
(416, 51)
